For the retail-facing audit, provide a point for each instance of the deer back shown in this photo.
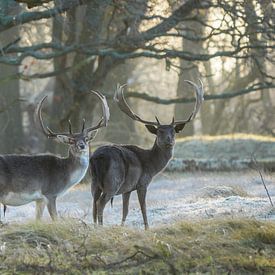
(115, 169)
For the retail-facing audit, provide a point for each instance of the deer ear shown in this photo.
(179, 127)
(91, 135)
(64, 139)
(152, 129)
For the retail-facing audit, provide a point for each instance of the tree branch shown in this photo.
(177, 16)
(226, 95)
(8, 21)
(38, 52)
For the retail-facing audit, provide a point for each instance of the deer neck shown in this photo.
(78, 164)
(160, 157)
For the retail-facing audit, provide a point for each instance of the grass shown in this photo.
(223, 191)
(73, 247)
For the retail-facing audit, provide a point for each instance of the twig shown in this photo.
(262, 179)
(110, 265)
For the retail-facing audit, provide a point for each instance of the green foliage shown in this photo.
(74, 247)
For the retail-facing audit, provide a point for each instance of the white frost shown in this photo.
(171, 197)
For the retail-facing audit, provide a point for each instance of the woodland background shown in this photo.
(65, 48)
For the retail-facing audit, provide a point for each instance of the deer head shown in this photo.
(78, 142)
(165, 133)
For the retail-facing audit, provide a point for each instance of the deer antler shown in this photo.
(102, 123)
(125, 108)
(46, 130)
(199, 99)
(105, 114)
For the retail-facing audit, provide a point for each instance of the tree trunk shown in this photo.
(11, 133)
(120, 129)
(190, 72)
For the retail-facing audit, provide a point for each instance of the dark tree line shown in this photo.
(95, 44)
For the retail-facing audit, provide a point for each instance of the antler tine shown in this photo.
(199, 99)
(173, 121)
(157, 120)
(105, 113)
(39, 115)
(83, 125)
(70, 127)
(125, 108)
(46, 130)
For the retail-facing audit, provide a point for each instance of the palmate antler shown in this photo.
(124, 107)
(102, 122)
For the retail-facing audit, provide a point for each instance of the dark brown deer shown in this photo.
(121, 169)
(42, 178)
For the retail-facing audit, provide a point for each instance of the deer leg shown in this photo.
(141, 197)
(40, 206)
(52, 208)
(125, 197)
(96, 196)
(102, 201)
(5, 209)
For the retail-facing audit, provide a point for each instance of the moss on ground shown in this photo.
(73, 247)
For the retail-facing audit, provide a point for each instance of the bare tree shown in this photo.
(94, 37)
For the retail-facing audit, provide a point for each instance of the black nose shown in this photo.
(81, 146)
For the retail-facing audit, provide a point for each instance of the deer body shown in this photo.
(29, 178)
(44, 177)
(121, 169)
(131, 167)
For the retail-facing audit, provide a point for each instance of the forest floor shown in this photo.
(214, 223)
(201, 222)
(173, 197)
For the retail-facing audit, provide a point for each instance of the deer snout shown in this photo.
(81, 146)
(169, 140)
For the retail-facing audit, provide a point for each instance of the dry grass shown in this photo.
(222, 191)
(73, 247)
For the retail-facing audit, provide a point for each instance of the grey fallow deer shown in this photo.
(121, 169)
(44, 177)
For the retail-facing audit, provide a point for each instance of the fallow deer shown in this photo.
(44, 177)
(121, 169)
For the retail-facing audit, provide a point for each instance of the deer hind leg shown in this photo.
(52, 208)
(5, 209)
(125, 198)
(141, 197)
(96, 195)
(40, 206)
(101, 202)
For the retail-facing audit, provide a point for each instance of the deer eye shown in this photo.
(71, 141)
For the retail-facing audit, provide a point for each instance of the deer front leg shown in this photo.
(125, 197)
(101, 202)
(40, 206)
(141, 197)
(52, 208)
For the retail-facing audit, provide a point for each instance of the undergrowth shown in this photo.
(74, 247)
